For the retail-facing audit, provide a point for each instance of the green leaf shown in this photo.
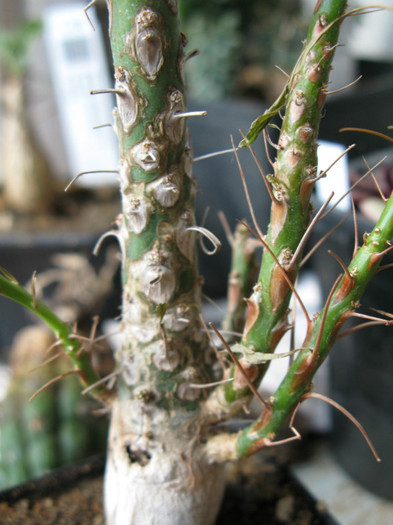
(8, 276)
(258, 358)
(261, 122)
(161, 310)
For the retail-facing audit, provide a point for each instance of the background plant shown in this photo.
(26, 179)
(240, 44)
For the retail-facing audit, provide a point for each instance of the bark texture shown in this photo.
(156, 470)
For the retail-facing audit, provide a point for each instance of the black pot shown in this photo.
(268, 495)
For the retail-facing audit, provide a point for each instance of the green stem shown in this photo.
(292, 184)
(62, 331)
(344, 301)
(241, 278)
(160, 277)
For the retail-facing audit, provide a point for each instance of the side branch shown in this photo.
(298, 382)
(72, 346)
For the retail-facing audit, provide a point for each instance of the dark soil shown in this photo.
(72, 496)
(260, 491)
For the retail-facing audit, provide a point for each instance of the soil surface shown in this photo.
(259, 491)
(70, 496)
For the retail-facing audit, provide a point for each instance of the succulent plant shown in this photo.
(171, 391)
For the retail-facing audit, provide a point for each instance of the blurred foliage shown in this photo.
(240, 43)
(15, 45)
(56, 428)
(210, 76)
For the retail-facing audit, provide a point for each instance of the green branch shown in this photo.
(11, 289)
(344, 301)
(291, 187)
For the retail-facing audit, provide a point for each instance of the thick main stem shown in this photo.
(156, 472)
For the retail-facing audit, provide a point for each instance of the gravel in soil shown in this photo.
(259, 491)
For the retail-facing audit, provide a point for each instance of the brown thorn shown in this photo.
(296, 437)
(33, 290)
(219, 356)
(322, 240)
(349, 416)
(297, 434)
(372, 318)
(344, 87)
(212, 302)
(250, 207)
(355, 227)
(359, 327)
(309, 230)
(323, 320)
(369, 131)
(281, 70)
(164, 337)
(226, 227)
(354, 186)
(232, 332)
(267, 149)
(375, 180)
(51, 347)
(47, 361)
(85, 9)
(284, 273)
(294, 413)
(381, 312)
(54, 380)
(192, 54)
(324, 172)
(385, 251)
(84, 339)
(384, 267)
(293, 330)
(100, 381)
(269, 141)
(243, 372)
(93, 331)
(341, 263)
(261, 170)
(96, 339)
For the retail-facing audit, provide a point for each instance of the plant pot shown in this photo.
(361, 369)
(258, 491)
